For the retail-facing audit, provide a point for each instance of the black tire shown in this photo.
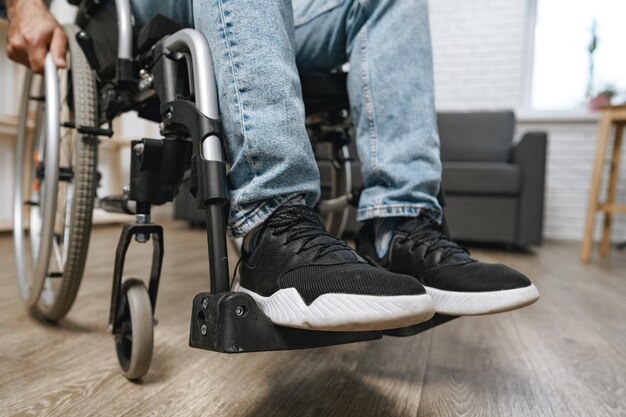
(134, 340)
(82, 96)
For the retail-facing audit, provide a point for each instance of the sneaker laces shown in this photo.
(301, 223)
(429, 234)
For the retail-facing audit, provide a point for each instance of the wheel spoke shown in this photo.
(57, 252)
(68, 216)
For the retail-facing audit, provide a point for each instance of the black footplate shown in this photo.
(232, 322)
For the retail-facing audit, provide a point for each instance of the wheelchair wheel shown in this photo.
(135, 337)
(56, 183)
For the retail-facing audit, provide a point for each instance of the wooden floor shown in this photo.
(564, 356)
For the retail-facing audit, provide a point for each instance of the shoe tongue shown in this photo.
(288, 213)
(453, 252)
(459, 256)
(303, 218)
(348, 255)
(411, 225)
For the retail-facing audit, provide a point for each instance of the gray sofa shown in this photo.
(494, 187)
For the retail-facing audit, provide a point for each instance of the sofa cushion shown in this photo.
(483, 178)
(482, 219)
(477, 136)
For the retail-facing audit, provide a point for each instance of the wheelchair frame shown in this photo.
(178, 70)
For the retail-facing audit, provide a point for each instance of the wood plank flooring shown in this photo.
(563, 356)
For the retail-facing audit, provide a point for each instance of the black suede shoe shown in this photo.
(301, 276)
(458, 284)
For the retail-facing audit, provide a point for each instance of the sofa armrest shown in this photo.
(530, 154)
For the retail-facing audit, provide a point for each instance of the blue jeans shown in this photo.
(258, 47)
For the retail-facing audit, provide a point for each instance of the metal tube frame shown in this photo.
(207, 148)
(205, 89)
(125, 29)
(30, 294)
(18, 202)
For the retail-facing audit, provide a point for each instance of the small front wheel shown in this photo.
(134, 337)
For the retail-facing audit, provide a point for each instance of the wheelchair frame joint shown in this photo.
(157, 168)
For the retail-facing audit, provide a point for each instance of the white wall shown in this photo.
(478, 51)
(571, 153)
(482, 53)
(8, 87)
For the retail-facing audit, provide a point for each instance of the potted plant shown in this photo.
(603, 98)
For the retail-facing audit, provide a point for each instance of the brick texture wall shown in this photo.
(480, 51)
(571, 154)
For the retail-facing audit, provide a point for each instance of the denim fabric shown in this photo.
(391, 89)
(253, 47)
(258, 46)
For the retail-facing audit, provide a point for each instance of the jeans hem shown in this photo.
(396, 210)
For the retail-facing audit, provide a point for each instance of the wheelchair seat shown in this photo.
(323, 91)
(157, 28)
(96, 19)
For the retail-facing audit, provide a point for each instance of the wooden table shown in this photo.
(612, 117)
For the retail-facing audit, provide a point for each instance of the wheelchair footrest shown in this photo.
(419, 328)
(232, 322)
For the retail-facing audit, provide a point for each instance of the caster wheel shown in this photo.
(135, 336)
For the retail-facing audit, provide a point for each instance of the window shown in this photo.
(565, 74)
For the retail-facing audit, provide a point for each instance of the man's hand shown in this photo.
(32, 32)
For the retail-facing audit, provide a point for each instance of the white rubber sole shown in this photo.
(477, 303)
(344, 312)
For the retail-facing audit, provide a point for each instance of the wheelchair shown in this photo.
(165, 73)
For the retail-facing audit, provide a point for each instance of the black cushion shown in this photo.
(482, 178)
(477, 136)
(157, 28)
(324, 91)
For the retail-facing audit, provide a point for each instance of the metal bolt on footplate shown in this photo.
(205, 302)
(138, 148)
(240, 311)
(203, 329)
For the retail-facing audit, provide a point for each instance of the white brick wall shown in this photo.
(480, 52)
(571, 154)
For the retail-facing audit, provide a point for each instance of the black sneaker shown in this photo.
(301, 276)
(458, 284)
